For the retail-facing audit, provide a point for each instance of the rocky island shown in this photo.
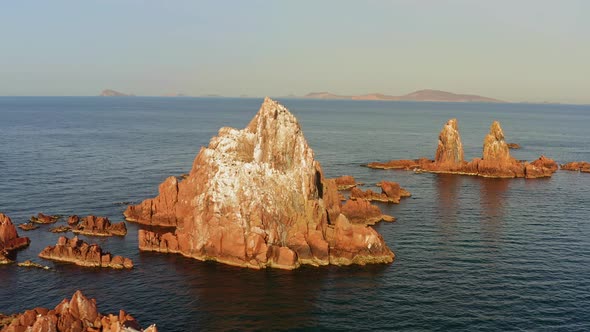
(496, 161)
(113, 93)
(83, 254)
(96, 226)
(257, 198)
(77, 314)
(420, 95)
(9, 239)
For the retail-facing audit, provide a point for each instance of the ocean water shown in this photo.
(472, 253)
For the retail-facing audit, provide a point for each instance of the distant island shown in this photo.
(113, 93)
(420, 95)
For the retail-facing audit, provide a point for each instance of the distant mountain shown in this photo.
(113, 93)
(421, 95)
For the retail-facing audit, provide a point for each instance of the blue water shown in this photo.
(472, 253)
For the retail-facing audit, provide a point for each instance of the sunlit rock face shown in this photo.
(257, 198)
(450, 147)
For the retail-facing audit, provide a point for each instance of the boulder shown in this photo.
(256, 198)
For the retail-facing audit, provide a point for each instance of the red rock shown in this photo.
(345, 182)
(513, 146)
(99, 226)
(582, 166)
(391, 192)
(496, 161)
(9, 239)
(73, 220)
(75, 315)
(255, 198)
(360, 211)
(83, 254)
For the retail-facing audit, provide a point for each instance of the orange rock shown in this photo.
(99, 226)
(44, 219)
(9, 239)
(360, 211)
(73, 220)
(582, 166)
(77, 314)
(391, 192)
(450, 147)
(255, 198)
(513, 146)
(345, 182)
(83, 254)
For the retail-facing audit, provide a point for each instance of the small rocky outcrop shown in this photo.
(29, 263)
(582, 166)
(73, 220)
(257, 198)
(361, 211)
(77, 314)
(44, 219)
(391, 192)
(29, 226)
(9, 239)
(83, 254)
(514, 146)
(5, 257)
(60, 229)
(495, 162)
(99, 226)
(346, 182)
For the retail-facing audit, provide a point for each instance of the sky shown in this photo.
(512, 50)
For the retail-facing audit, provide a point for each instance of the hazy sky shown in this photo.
(512, 50)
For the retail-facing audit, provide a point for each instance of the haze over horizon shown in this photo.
(531, 51)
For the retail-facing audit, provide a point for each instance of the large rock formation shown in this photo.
(97, 226)
(83, 254)
(257, 198)
(582, 166)
(9, 239)
(77, 314)
(495, 162)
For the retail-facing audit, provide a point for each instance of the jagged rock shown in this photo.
(44, 219)
(73, 220)
(77, 314)
(83, 254)
(391, 192)
(361, 211)
(99, 226)
(29, 226)
(582, 166)
(346, 182)
(9, 239)
(257, 198)
(495, 162)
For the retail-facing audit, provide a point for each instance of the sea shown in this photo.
(472, 254)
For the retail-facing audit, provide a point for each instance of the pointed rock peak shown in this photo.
(450, 147)
(494, 145)
(496, 130)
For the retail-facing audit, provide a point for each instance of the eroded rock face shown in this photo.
(257, 198)
(99, 226)
(77, 314)
(495, 162)
(83, 254)
(9, 239)
(582, 166)
(450, 147)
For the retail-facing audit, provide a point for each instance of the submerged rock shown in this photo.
(29, 263)
(9, 239)
(77, 314)
(495, 162)
(99, 226)
(29, 226)
(582, 166)
(83, 254)
(44, 219)
(257, 198)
